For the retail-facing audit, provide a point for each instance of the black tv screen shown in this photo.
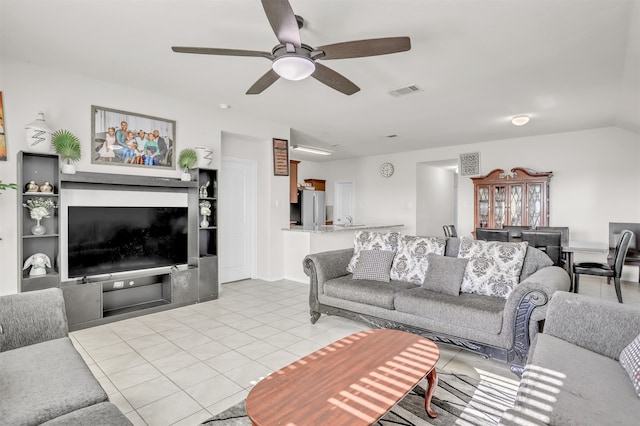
(105, 240)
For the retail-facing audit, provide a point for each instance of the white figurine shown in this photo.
(37, 261)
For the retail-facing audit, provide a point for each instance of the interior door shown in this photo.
(237, 218)
(344, 202)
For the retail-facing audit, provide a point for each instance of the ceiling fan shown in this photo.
(294, 60)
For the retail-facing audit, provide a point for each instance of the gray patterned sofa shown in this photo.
(496, 327)
(43, 379)
(579, 370)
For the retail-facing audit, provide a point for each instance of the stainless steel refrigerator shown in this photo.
(313, 208)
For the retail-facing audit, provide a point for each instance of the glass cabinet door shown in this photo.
(516, 195)
(483, 206)
(534, 204)
(499, 206)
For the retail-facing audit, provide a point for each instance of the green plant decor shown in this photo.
(187, 159)
(67, 145)
(5, 186)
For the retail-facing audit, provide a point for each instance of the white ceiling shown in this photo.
(570, 64)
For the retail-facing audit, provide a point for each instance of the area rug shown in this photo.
(458, 400)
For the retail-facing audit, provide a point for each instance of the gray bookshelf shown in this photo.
(207, 256)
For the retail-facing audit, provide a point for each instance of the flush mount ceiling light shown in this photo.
(293, 67)
(311, 150)
(520, 120)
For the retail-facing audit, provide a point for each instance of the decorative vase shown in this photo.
(68, 169)
(205, 156)
(38, 229)
(38, 135)
(32, 186)
(185, 177)
(46, 188)
(205, 222)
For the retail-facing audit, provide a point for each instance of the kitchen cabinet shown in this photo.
(318, 184)
(519, 198)
(293, 181)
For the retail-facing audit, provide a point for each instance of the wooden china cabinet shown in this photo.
(519, 198)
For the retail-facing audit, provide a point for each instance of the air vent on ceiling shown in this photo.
(405, 90)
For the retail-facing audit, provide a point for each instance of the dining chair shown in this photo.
(604, 269)
(564, 230)
(548, 242)
(450, 231)
(492, 234)
(515, 232)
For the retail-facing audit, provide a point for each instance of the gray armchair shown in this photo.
(43, 378)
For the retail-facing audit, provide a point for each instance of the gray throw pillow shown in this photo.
(534, 260)
(630, 361)
(444, 274)
(374, 265)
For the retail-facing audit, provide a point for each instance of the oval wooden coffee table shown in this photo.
(353, 381)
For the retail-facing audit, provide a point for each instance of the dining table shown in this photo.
(568, 250)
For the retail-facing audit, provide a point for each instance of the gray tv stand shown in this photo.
(108, 298)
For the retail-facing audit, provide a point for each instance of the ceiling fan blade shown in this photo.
(282, 20)
(363, 48)
(225, 52)
(334, 80)
(263, 83)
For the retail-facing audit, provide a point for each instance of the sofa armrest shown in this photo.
(526, 307)
(327, 265)
(544, 282)
(32, 317)
(598, 325)
(322, 267)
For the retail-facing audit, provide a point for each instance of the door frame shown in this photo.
(336, 185)
(253, 208)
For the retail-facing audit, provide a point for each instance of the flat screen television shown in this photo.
(104, 240)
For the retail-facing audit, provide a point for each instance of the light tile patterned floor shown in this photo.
(179, 367)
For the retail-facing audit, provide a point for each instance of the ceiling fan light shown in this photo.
(293, 67)
(520, 120)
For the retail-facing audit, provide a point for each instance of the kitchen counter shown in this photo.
(299, 241)
(335, 228)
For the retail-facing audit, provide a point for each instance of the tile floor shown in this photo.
(179, 367)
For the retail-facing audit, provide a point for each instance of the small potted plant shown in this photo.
(67, 145)
(187, 160)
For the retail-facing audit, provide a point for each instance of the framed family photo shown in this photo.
(124, 138)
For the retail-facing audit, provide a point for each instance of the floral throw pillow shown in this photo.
(365, 240)
(410, 264)
(494, 267)
(630, 361)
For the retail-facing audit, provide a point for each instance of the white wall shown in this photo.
(596, 180)
(66, 100)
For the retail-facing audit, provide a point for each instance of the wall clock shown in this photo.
(386, 170)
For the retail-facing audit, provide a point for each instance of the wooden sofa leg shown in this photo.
(314, 316)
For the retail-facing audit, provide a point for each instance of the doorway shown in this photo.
(237, 209)
(343, 202)
(436, 197)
